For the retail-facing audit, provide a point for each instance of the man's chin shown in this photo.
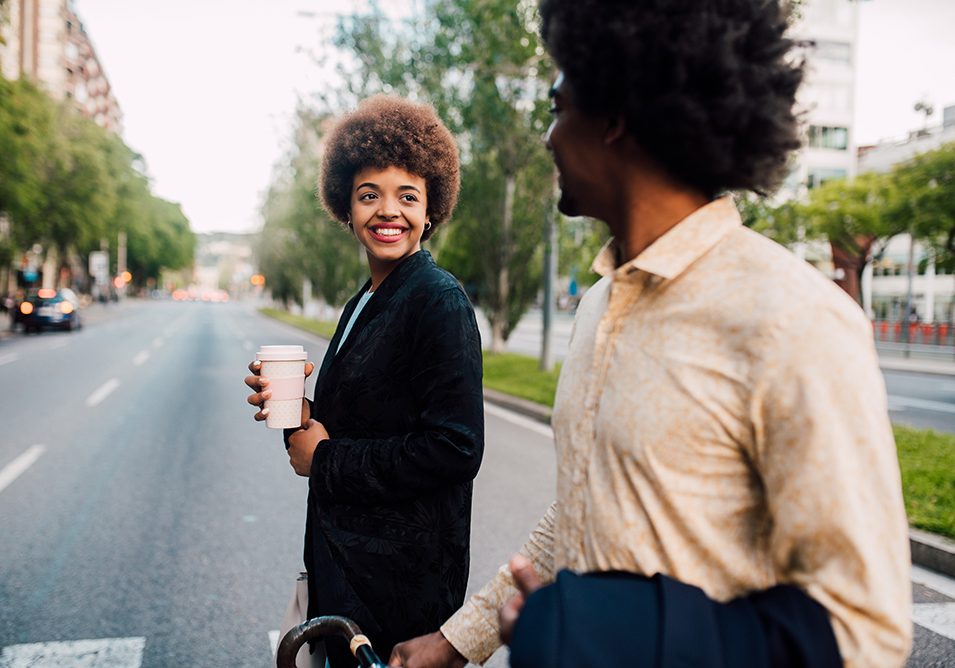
(567, 206)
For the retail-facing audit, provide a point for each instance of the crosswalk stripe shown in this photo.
(937, 617)
(102, 653)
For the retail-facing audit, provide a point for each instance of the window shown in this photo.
(818, 176)
(821, 136)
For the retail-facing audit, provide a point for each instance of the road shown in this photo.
(915, 399)
(146, 520)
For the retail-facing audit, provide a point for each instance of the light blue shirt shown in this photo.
(354, 316)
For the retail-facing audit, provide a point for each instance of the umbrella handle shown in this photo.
(322, 627)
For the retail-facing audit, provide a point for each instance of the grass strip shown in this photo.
(323, 328)
(520, 376)
(927, 460)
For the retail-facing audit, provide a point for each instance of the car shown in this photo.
(50, 309)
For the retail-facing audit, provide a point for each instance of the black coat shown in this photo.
(389, 503)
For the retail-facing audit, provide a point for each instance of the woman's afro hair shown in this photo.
(706, 87)
(386, 131)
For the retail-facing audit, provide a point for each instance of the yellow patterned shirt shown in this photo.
(721, 419)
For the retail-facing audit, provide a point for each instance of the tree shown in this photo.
(67, 184)
(480, 63)
(298, 240)
(854, 215)
(926, 186)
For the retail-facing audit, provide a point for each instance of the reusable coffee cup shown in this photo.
(284, 367)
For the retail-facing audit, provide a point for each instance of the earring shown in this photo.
(348, 222)
(427, 226)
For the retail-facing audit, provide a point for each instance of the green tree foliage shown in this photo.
(855, 216)
(480, 63)
(67, 184)
(927, 183)
(298, 240)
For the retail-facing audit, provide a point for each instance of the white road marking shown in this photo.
(933, 580)
(14, 469)
(9, 357)
(922, 404)
(141, 358)
(104, 391)
(274, 641)
(158, 342)
(520, 420)
(103, 653)
(937, 617)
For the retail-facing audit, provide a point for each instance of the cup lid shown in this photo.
(281, 354)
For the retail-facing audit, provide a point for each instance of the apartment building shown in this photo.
(46, 42)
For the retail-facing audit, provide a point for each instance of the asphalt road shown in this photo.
(145, 519)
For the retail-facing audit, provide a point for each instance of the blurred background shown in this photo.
(158, 223)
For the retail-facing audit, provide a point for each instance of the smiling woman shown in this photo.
(395, 433)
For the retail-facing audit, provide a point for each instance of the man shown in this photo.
(720, 423)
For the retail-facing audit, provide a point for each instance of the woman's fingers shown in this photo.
(255, 366)
(309, 368)
(257, 382)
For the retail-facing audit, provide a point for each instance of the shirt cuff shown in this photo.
(471, 634)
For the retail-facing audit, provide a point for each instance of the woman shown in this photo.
(394, 435)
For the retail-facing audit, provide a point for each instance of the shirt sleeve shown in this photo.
(448, 444)
(826, 454)
(474, 629)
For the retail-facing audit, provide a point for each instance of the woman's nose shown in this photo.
(387, 208)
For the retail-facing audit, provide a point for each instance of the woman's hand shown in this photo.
(260, 385)
(302, 446)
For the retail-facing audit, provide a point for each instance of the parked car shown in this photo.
(50, 309)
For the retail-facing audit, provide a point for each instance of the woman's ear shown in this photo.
(616, 129)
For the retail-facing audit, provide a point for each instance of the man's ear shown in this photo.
(616, 129)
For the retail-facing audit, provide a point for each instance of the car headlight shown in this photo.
(66, 307)
(26, 308)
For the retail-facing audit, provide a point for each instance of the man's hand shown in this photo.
(527, 581)
(302, 446)
(430, 651)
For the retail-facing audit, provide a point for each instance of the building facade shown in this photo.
(45, 42)
(827, 31)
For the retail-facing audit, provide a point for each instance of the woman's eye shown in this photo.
(364, 197)
(409, 198)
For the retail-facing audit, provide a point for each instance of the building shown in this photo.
(933, 290)
(827, 31)
(45, 41)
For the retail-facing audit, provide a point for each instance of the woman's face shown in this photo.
(389, 209)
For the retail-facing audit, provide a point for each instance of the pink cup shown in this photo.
(284, 367)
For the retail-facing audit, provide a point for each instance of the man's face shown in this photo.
(576, 144)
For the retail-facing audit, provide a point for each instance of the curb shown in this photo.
(932, 551)
(527, 408)
(929, 550)
(891, 364)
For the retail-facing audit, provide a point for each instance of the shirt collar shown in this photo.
(680, 246)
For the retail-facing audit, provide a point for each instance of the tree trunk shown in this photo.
(851, 258)
(498, 318)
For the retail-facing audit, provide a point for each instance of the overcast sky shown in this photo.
(208, 88)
